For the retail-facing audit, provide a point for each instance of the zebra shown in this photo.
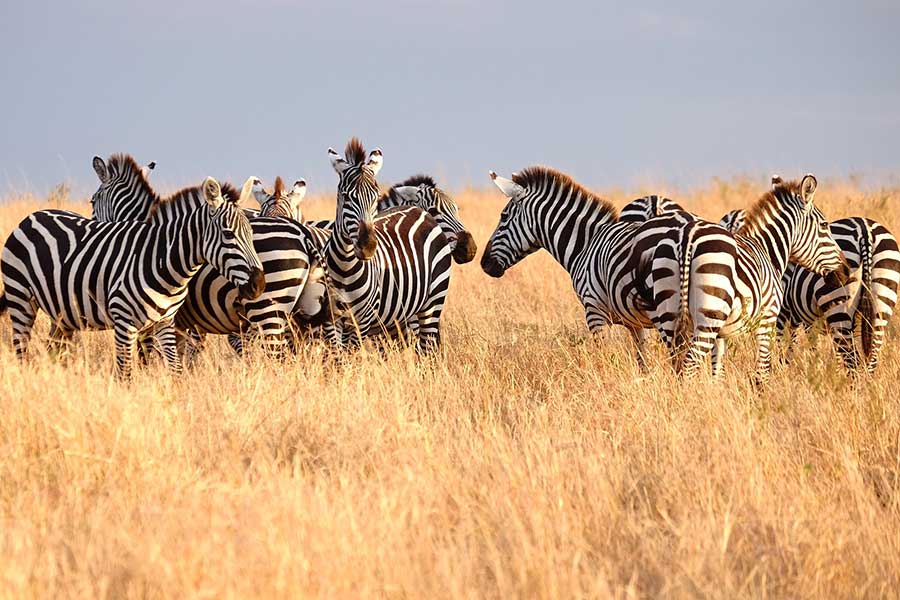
(549, 210)
(213, 304)
(284, 204)
(730, 283)
(131, 277)
(856, 312)
(388, 274)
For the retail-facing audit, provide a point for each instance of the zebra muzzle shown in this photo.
(465, 248)
(253, 289)
(490, 266)
(364, 249)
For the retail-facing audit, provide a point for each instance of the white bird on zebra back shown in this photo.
(130, 276)
(731, 283)
(856, 312)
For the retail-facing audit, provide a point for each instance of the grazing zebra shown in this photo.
(549, 210)
(856, 312)
(730, 283)
(213, 304)
(131, 277)
(389, 274)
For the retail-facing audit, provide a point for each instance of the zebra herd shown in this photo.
(164, 273)
(657, 266)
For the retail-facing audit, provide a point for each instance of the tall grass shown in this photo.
(528, 459)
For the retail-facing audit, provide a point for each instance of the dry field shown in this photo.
(527, 460)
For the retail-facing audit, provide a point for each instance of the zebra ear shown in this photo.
(337, 161)
(376, 158)
(407, 193)
(510, 188)
(212, 191)
(145, 171)
(776, 180)
(298, 192)
(100, 169)
(808, 189)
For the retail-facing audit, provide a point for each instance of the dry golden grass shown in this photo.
(527, 460)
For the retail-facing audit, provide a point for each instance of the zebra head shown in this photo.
(124, 194)
(228, 242)
(516, 235)
(357, 197)
(811, 245)
(284, 204)
(421, 191)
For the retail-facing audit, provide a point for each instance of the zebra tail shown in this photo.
(865, 312)
(645, 300)
(683, 325)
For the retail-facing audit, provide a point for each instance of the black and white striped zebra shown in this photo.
(731, 283)
(857, 312)
(551, 211)
(389, 274)
(131, 277)
(213, 305)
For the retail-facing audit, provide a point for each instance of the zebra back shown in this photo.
(648, 207)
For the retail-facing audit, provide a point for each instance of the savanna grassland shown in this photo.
(526, 460)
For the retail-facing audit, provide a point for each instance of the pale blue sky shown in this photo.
(615, 93)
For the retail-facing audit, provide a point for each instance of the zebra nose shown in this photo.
(253, 289)
(465, 248)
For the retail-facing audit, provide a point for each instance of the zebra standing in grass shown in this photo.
(131, 277)
(549, 210)
(213, 303)
(390, 274)
(731, 283)
(856, 312)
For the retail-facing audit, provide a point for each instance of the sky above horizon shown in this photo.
(616, 95)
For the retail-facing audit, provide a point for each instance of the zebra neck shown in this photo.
(340, 254)
(773, 241)
(176, 242)
(567, 236)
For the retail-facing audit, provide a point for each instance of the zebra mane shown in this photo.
(355, 153)
(770, 200)
(543, 177)
(417, 180)
(279, 188)
(121, 163)
(191, 194)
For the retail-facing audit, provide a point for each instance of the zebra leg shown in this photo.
(22, 313)
(842, 336)
(640, 337)
(698, 349)
(236, 341)
(147, 345)
(60, 340)
(429, 326)
(877, 340)
(189, 344)
(718, 358)
(765, 333)
(126, 347)
(166, 339)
